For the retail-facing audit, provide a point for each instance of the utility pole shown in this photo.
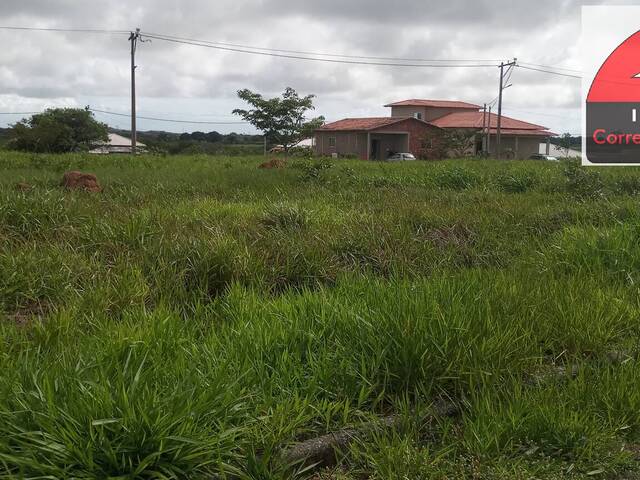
(484, 124)
(489, 133)
(501, 89)
(133, 38)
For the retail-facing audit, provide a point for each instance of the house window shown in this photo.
(332, 141)
(418, 115)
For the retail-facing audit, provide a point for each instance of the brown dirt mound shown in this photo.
(23, 186)
(273, 163)
(80, 181)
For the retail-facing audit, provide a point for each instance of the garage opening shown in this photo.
(383, 145)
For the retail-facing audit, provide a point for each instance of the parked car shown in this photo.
(540, 156)
(398, 157)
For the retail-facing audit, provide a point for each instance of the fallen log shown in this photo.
(322, 451)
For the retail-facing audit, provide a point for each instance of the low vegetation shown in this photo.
(200, 315)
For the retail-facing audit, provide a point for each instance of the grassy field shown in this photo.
(201, 314)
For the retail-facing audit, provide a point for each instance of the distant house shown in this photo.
(404, 130)
(371, 138)
(116, 144)
(304, 143)
(556, 151)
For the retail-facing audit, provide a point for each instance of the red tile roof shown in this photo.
(416, 102)
(509, 126)
(530, 132)
(474, 120)
(371, 123)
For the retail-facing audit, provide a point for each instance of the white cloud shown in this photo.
(39, 69)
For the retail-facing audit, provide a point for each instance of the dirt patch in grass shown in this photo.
(457, 236)
(273, 163)
(24, 316)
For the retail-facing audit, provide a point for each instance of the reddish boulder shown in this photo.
(80, 181)
(273, 163)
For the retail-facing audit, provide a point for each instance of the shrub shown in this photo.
(582, 182)
(456, 178)
(627, 185)
(285, 217)
(516, 182)
(313, 171)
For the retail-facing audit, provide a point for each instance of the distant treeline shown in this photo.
(200, 142)
(574, 143)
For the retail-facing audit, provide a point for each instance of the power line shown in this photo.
(171, 120)
(539, 114)
(305, 55)
(19, 113)
(319, 54)
(65, 30)
(300, 57)
(549, 71)
(551, 67)
(119, 114)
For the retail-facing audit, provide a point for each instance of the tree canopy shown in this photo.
(58, 130)
(282, 119)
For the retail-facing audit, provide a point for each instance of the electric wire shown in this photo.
(328, 60)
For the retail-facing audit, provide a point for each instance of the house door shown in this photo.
(375, 147)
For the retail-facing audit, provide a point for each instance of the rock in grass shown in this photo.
(80, 181)
(23, 186)
(618, 357)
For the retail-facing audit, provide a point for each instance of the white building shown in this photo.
(556, 151)
(116, 144)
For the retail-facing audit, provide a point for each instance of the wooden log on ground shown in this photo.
(322, 451)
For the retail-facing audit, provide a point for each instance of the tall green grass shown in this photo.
(200, 314)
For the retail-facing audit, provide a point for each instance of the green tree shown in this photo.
(443, 143)
(281, 119)
(58, 130)
(565, 142)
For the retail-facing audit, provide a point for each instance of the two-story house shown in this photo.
(411, 121)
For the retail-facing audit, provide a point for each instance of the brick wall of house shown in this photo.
(346, 143)
(355, 143)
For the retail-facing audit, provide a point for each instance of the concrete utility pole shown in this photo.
(501, 89)
(489, 132)
(133, 38)
(484, 124)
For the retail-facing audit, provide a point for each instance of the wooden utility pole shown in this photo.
(502, 87)
(133, 38)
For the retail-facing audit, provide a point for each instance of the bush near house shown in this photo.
(200, 315)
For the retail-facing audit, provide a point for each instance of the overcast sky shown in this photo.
(41, 69)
